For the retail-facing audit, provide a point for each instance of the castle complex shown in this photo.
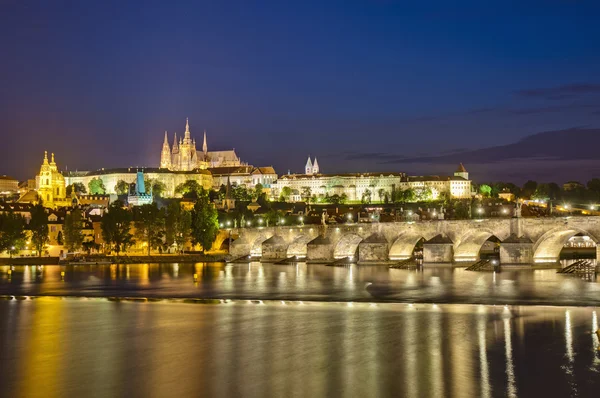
(181, 162)
(183, 155)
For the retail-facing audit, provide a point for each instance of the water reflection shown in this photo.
(302, 282)
(89, 347)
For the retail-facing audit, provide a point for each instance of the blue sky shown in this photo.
(98, 83)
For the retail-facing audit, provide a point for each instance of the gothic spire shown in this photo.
(175, 147)
(204, 146)
(45, 157)
(308, 167)
(166, 142)
(315, 167)
(187, 130)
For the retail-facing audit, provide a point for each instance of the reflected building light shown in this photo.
(486, 388)
(510, 368)
(596, 338)
(569, 337)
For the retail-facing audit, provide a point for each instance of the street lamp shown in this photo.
(249, 223)
(228, 223)
(301, 219)
(260, 221)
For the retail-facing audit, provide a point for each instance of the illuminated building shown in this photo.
(139, 196)
(183, 155)
(171, 179)
(357, 186)
(8, 185)
(50, 185)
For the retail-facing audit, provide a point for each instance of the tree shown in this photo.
(271, 216)
(485, 190)
(178, 225)
(423, 194)
(12, 232)
(407, 195)
(189, 189)
(366, 196)
(38, 224)
(529, 188)
(76, 187)
(258, 192)
(96, 186)
(59, 238)
(286, 192)
(72, 228)
(240, 193)
(306, 193)
(149, 225)
(381, 194)
(122, 187)
(205, 223)
(115, 226)
(155, 186)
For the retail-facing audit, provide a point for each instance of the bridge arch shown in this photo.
(256, 247)
(404, 245)
(469, 246)
(299, 246)
(548, 247)
(347, 246)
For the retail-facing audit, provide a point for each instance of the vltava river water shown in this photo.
(81, 347)
(304, 282)
(296, 330)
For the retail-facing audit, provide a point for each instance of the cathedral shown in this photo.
(50, 184)
(183, 155)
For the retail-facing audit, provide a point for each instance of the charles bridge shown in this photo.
(522, 240)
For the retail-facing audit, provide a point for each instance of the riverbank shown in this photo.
(126, 259)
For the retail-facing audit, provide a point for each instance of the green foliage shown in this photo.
(528, 189)
(72, 228)
(122, 187)
(423, 194)
(96, 186)
(240, 193)
(366, 196)
(38, 224)
(178, 225)
(205, 223)
(12, 232)
(149, 225)
(286, 192)
(59, 238)
(336, 199)
(189, 189)
(306, 193)
(381, 194)
(461, 209)
(115, 226)
(258, 192)
(76, 187)
(405, 196)
(485, 190)
(272, 217)
(156, 187)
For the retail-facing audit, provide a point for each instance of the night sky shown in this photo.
(360, 84)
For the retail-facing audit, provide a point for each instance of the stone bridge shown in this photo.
(522, 240)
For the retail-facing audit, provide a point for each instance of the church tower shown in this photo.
(165, 154)
(315, 167)
(462, 172)
(309, 167)
(50, 183)
(204, 146)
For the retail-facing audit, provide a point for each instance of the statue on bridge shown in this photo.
(518, 209)
(242, 222)
(324, 218)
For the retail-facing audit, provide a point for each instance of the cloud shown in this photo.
(560, 92)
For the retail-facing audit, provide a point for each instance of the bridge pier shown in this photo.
(319, 250)
(274, 248)
(439, 249)
(374, 249)
(516, 251)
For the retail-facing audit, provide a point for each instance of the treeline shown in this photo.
(568, 192)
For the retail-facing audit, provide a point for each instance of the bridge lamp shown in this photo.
(301, 218)
(349, 216)
(12, 248)
(480, 210)
(228, 223)
(566, 206)
(221, 225)
(249, 223)
(282, 221)
(504, 211)
(260, 221)
(592, 207)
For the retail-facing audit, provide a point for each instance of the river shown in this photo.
(296, 330)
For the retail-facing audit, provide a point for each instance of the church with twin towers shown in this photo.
(184, 156)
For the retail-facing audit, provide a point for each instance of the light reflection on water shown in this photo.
(304, 282)
(54, 347)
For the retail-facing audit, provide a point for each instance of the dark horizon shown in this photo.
(354, 83)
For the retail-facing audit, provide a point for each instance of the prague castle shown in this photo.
(183, 155)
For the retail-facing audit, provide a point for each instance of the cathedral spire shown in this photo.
(166, 142)
(45, 157)
(315, 167)
(204, 146)
(175, 147)
(308, 168)
(52, 162)
(187, 130)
